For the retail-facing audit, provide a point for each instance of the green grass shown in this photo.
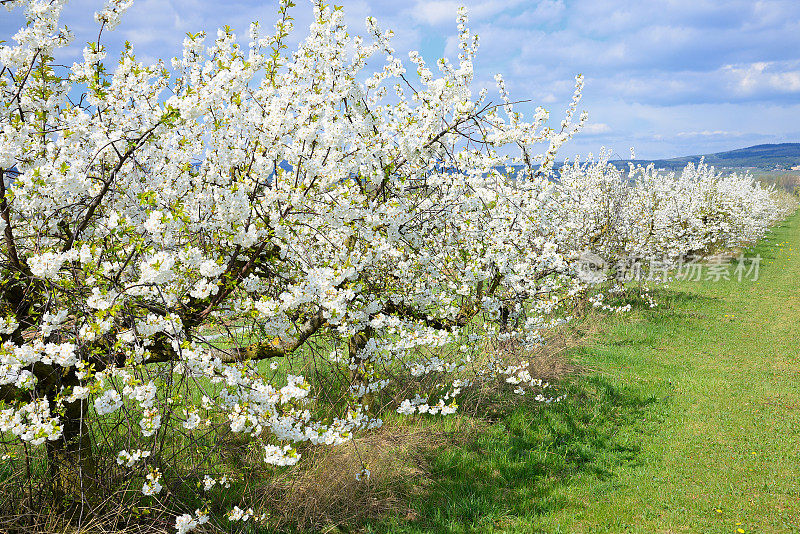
(686, 420)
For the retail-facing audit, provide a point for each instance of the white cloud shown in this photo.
(435, 12)
(708, 133)
(763, 76)
(594, 128)
(547, 10)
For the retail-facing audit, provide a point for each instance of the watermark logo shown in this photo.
(593, 268)
(719, 267)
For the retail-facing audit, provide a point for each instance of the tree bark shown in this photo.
(71, 464)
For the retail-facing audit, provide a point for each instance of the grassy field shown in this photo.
(686, 418)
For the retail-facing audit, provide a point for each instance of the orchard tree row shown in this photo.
(270, 243)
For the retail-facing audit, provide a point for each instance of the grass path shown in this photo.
(689, 421)
(726, 455)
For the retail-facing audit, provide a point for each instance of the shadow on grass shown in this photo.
(520, 467)
(675, 299)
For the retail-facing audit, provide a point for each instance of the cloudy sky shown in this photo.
(667, 77)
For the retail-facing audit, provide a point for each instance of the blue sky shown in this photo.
(667, 77)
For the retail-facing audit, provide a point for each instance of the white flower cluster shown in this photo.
(8, 325)
(110, 401)
(31, 422)
(152, 485)
(209, 482)
(186, 522)
(280, 455)
(237, 514)
(150, 421)
(420, 405)
(129, 459)
(112, 12)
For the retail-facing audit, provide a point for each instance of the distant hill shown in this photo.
(763, 157)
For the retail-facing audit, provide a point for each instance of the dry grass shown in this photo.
(49, 522)
(322, 493)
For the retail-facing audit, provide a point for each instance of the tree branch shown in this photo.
(9, 234)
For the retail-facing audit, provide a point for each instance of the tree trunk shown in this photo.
(71, 465)
(358, 374)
